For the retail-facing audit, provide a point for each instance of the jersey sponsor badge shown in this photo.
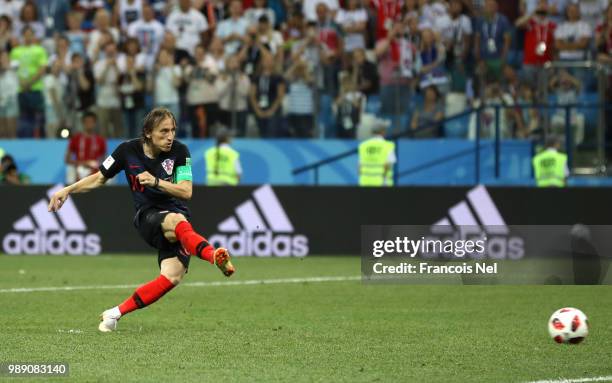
(168, 166)
(108, 162)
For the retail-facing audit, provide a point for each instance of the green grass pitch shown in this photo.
(341, 331)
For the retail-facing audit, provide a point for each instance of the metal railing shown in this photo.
(477, 147)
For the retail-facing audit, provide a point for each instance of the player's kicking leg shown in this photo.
(171, 274)
(176, 228)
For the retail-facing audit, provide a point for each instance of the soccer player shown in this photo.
(158, 170)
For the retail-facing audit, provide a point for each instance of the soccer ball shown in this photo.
(568, 325)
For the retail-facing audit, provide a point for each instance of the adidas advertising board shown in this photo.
(42, 232)
(260, 227)
(490, 228)
(295, 221)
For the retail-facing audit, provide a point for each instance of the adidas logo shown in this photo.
(260, 227)
(42, 232)
(479, 217)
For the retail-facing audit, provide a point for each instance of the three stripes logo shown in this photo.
(478, 217)
(260, 227)
(41, 232)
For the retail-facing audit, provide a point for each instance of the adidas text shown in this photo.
(263, 244)
(40, 242)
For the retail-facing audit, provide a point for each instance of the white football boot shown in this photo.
(108, 319)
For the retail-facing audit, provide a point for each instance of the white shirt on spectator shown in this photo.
(94, 38)
(436, 16)
(309, 7)
(9, 83)
(347, 18)
(129, 13)
(273, 40)
(141, 61)
(575, 30)
(253, 14)
(592, 11)
(11, 8)
(165, 91)
(224, 90)
(150, 35)
(107, 95)
(186, 27)
(228, 27)
(459, 28)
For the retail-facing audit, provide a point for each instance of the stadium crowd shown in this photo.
(291, 68)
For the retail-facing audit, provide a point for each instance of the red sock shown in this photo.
(193, 242)
(146, 294)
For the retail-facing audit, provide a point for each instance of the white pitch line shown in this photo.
(577, 380)
(188, 284)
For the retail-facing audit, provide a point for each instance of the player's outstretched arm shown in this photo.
(86, 184)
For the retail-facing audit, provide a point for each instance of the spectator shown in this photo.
(260, 8)
(433, 56)
(539, 36)
(108, 101)
(348, 108)
(7, 40)
(85, 150)
(176, 54)
(492, 40)
(101, 35)
(331, 48)
(132, 82)
(309, 8)
(11, 8)
(527, 119)
(353, 20)
(233, 30)
(149, 33)
(434, 15)
(555, 8)
(167, 79)
(388, 13)
(367, 80)
(188, 25)
(566, 88)
(62, 53)
(90, 9)
(77, 38)
(233, 90)
(269, 38)
(9, 175)
(573, 36)
(216, 55)
(9, 105)
(29, 17)
(294, 29)
(131, 48)
(424, 118)
(300, 106)
(127, 12)
(32, 65)
(55, 114)
(80, 91)
(457, 44)
(398, 65)
(266, 97)
(213, 10)
(201, 93)
(53, 13)
(593, 11)
(603, 38)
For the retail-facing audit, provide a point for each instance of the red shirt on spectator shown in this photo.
(87, 147)
(601, 28)
(539, 32)
(387, 13)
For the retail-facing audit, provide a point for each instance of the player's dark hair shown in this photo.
(153, 119)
